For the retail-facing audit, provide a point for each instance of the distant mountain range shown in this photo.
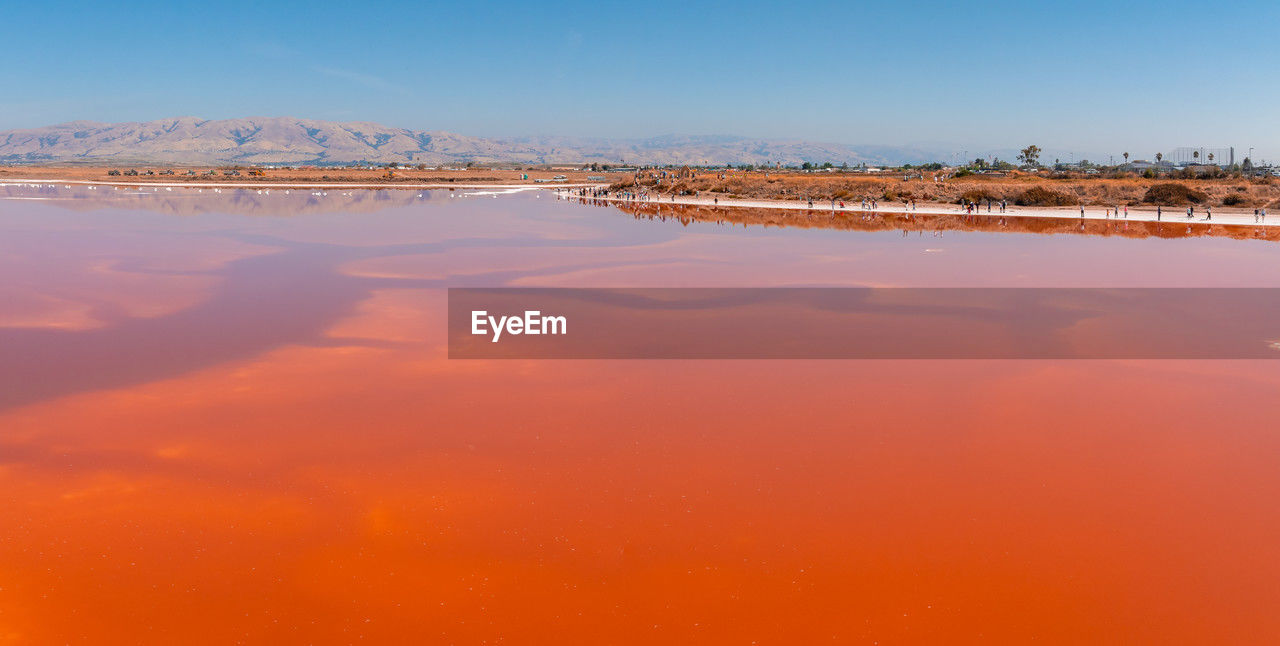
(285, 140)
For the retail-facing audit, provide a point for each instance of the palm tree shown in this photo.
(1159, 156)
(1126, 157)
(1195, 154)
(1210, 158)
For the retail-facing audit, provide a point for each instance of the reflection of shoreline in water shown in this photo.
(282, 288)
(908, 223)
(232, 201)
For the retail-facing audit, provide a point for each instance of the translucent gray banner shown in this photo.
(864, 323)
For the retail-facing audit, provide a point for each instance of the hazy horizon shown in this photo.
(1091, 78)
(911, 152)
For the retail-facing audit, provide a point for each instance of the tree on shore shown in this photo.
(1210, 158)
(1195, 154)
(1159, 156)
(1030, 155)
(1126, 157)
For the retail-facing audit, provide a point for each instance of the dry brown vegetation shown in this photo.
(1179, 194)
(1018, 188)
(1041, 196)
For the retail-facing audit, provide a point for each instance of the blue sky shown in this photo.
(1093, 77)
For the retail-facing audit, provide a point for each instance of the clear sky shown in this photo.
(1094, 77)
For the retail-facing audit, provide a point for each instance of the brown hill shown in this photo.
(286, 140)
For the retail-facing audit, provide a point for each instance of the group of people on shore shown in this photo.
(1208, 212)
(1110, 212)
(972, 207)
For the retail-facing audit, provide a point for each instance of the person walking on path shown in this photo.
(1191, 212)
(1081, 211)
(1208, 211)
(1157, 213)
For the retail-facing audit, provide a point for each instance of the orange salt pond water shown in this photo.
(231, 418)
